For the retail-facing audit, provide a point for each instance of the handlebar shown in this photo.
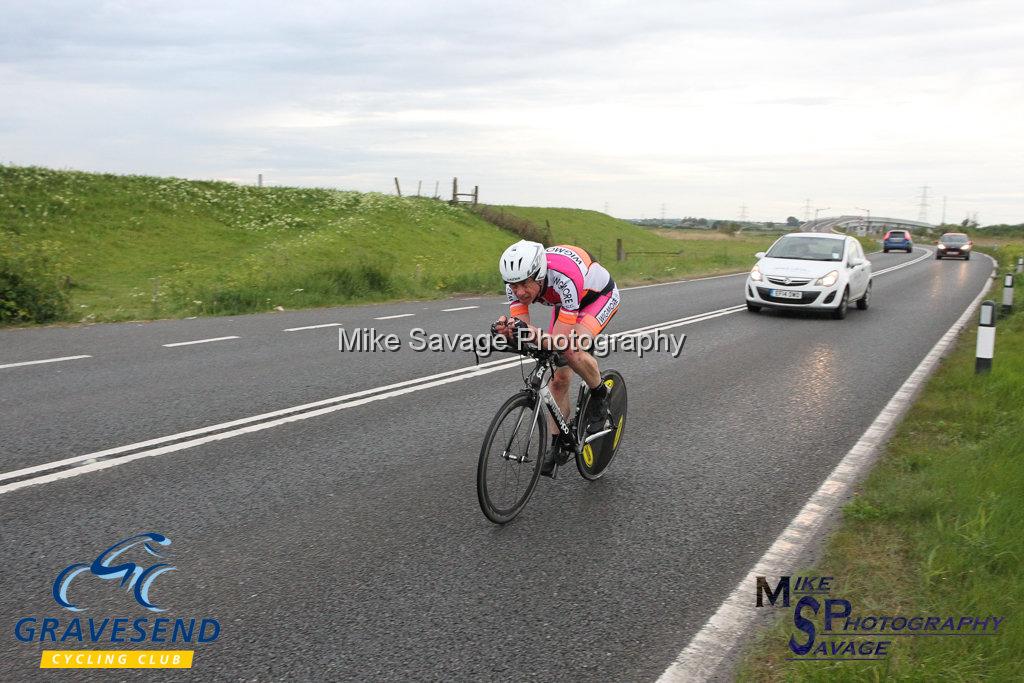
(527, 349)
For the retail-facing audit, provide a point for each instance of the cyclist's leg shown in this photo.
(591, 322)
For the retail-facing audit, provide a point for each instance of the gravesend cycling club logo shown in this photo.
(133, 576)
(828, 629)
(132, 565)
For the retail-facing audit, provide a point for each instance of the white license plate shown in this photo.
(786, 294)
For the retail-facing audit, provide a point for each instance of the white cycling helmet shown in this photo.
(523, 260)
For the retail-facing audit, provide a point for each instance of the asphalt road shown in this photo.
(347, 543)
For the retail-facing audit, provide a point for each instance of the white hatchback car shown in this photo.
(811, 270)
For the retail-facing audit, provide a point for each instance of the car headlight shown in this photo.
(965, 247)
(942, 246)
(755, 274)
(828, 280)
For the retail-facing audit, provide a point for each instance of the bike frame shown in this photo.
(538, 386)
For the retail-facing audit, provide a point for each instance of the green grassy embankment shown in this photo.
(935, 530)
(99, 247)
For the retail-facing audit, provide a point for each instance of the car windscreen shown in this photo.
(897, 235)
(954, 239)
(808, 248)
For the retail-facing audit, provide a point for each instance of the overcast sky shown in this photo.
(700, 106)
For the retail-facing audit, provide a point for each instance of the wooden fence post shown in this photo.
(397, 188)
(620, 255)
(455, 190)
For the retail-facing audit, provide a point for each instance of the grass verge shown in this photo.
(651, 255)
(935, 530)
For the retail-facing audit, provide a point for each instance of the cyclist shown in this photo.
(584, 297)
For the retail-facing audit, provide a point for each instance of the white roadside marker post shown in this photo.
(1020, 264)
(986, 338)
(1008, 294)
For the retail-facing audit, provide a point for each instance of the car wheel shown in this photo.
(865, 301)
(844, 303)
(967, 257)
(752, 308)
(885, 251)
(910, 250)
(938, 256)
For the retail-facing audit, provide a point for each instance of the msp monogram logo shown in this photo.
(829, 629)
(136, 578)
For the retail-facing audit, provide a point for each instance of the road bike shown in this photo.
(516, 443)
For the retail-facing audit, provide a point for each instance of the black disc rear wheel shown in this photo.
(596, 457)
(511, 458)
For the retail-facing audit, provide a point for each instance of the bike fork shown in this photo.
(529, 437)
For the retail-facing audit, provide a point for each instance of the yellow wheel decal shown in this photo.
(609, 383)
(618, 432)
(588, 455)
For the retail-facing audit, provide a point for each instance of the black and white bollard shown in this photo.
(986, 337)
(1008, 294)
(1020, 264)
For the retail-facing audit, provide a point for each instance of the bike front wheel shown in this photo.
(511, 458)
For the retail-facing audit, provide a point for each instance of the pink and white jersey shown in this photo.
(572, 275)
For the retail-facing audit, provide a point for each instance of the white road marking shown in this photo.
(37, 362)
(679, 282)
(927, 254)
(311, 327)
(200, 341)
(300, 412)
(736, 617)
(392, 317)
(460, 308)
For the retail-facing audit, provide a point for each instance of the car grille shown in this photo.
(805, 297)
(791, 283)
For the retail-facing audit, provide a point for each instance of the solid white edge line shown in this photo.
(39, 362)
(311, 327)
(736, 617)
(310, 409)
(392, 317)
(460, 308)
(200, 341)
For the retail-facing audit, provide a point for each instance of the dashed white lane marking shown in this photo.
(736, 617)
(38, 362)
(460, 308)
(392, 317)
(201, 341)
(311, 327)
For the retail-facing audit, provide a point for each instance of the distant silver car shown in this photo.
(811, 270)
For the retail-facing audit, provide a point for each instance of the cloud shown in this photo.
(576, 104)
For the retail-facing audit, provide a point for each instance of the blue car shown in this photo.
(897, 239)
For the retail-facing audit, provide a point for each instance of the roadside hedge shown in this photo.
(33, 286)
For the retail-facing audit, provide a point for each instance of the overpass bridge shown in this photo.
(863, 226)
